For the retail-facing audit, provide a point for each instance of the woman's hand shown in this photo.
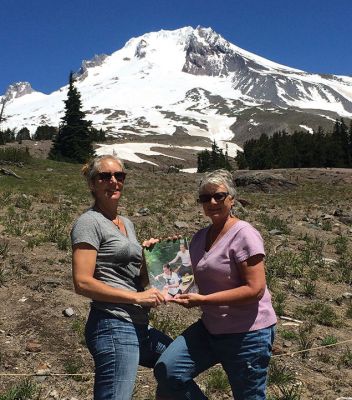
(176, 236)
(150, 242)
(188, 300)
(150, 298)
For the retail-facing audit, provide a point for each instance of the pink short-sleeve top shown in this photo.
(217, 270)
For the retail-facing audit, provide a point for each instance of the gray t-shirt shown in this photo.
(119, 260)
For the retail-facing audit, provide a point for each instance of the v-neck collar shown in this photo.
(214, 245)
(116, 227)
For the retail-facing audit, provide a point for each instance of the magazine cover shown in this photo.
(169, 267)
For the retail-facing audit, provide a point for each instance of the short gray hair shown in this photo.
(218, 177)
(91, 169)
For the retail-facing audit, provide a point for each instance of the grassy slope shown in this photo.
(35, 218)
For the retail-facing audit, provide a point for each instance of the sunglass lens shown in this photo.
(204, 198)
(219, 196)
(120, 176)
(104, 176)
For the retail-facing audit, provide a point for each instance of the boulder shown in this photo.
(262, 181)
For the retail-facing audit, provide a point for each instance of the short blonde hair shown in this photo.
(91, 168)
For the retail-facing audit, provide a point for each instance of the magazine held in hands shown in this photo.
(169, 267)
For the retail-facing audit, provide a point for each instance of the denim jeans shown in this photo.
(117, 347)
(244, 356)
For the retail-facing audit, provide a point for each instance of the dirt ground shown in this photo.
(38, 341)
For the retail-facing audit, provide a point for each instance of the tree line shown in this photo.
(72, 140)
(43, 132)
(299, 150)
(213, 159)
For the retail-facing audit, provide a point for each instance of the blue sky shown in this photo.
(43, 40)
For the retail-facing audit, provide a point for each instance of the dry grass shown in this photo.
(37, 212)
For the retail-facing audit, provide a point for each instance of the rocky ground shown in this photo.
(305, 217)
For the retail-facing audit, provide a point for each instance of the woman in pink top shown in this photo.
(238, 320)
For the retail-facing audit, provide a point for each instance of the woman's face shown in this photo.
(166, 271)
(217, 210)
(107, 190)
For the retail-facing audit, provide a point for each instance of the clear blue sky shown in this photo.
(43, 40)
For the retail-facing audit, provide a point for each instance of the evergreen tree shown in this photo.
(339, 156)
(45, 132)
(215, 159)
(350, 144)
(9, 135)
(97, 135)
(241, 160)
(23, 134)
(319, 148)
(299, 150)
(203, 161)
(73, 142)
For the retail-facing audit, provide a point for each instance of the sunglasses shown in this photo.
(218, 196)
(120, 176)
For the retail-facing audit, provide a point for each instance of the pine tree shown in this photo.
(203, 161)
(214, 159)
(45, 132)
(23, 134)
(350, 144)
(339, 156)
(73, 142)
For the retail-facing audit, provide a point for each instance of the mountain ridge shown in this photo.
(193, 80)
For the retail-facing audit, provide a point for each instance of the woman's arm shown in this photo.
(253, 276)
(83, 265)
(175, 259)
(144, 274)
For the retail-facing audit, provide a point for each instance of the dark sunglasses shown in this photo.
(218, 196)
(120, 176)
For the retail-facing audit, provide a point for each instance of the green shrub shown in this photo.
(329, 340)
(274, 222)
(280, 374)
(25, 390)
(320, 313)
(217, 380)
(170, 326)
(279, 303)
(346, 359)
(341, 244)
(288, 335)
(14, 154)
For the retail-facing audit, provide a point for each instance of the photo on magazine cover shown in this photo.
(169, 267)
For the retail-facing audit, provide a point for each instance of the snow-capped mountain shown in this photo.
(189, 80)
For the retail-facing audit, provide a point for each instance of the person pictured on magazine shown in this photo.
(186, 265)
(172, 285)
(238, 321)
(108, 268)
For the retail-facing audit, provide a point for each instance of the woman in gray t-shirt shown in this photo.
(108, 268)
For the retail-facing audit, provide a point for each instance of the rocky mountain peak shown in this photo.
(236, 94)
(141, 49)
(17, 90)
(207, 53)
(96, 61)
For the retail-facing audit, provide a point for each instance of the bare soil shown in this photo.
(35, 280)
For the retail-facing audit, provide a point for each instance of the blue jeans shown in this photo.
(244, 356)
(117, 347)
